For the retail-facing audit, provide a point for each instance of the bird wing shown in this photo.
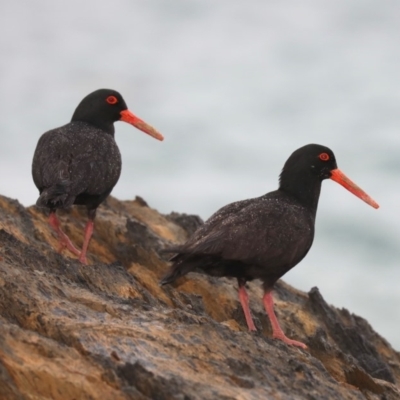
(79, 156)
(50, 164)
(257, 231)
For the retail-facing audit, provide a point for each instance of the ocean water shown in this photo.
(235, 87)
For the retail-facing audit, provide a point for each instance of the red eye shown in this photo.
(111, 100)
(324, 156)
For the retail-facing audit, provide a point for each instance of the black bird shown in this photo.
(80, 163)
(263, 238)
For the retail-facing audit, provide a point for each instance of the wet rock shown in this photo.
(109, 331)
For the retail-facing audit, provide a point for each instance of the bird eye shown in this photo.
(324, 156)
(111, 100)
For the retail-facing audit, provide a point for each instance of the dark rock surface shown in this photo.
(108, 331)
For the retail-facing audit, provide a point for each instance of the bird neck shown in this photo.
(306, 188)
(97, 121)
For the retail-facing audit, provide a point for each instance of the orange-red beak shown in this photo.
(132, 119)
(339, 177)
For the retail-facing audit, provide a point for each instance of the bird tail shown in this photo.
(56, 196)
(171, 249)
(177, 270)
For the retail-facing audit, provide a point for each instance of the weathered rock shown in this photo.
(109, 331)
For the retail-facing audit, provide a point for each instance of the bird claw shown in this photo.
(64, 242)
(83, 260)
(63, 245)
(291, 342)
(67, 244)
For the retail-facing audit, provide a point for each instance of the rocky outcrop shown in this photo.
(109, 331)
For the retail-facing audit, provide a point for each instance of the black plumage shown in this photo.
(263, 238)
(80, 163)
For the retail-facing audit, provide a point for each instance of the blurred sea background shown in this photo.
(235, 87)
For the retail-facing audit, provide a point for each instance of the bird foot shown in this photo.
(83, 260)
(67, 244)
(63, 240)
(252, 327)
(291, 342)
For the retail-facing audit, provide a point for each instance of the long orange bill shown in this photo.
(132, 119)
(339, 177)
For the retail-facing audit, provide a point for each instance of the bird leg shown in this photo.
(244, 301)
(88, 235)
(63, 240)
(277, 331)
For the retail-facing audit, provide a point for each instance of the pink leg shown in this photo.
(63, 239)
(244, 301)
(88, 235)
(277, 331)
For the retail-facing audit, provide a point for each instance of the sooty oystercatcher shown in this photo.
(80, 163)
(263, 238)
